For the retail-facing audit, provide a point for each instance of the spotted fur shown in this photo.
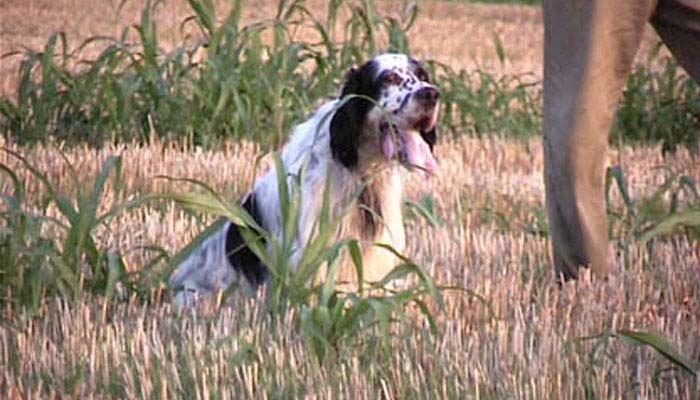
(383, 107)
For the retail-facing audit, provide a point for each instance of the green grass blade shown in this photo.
(661, 345)
(683, 219)
(183, 253)
(356, 256)
(283, 193)
(18, 194)
(65, 206)
(426, 209)
(116, 272)
(88, 207)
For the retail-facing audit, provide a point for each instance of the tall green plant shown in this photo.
(23, 250)
(659, 105)
(659, 215)
(482, 104)
(69, 263)
(650, 340)
(242, 86)
(325, 314)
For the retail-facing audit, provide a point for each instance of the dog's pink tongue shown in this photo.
(418, 152)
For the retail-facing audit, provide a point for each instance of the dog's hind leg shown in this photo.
(219, 262)
(204, 272)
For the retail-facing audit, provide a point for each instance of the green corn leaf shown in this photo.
(618, 176)
(283, 193)
(17, 197)
(116, 271)
(183, 253)
(686, 218)
(661, 345)
(356, 256)
(63, 204)
(87, 215)
(500, 50)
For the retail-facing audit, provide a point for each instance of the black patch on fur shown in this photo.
(430, 137)
(404, 101)
(346, 125)
(240, 255)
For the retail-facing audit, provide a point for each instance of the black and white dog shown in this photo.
(385, 117)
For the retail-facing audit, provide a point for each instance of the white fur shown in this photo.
(208, 270)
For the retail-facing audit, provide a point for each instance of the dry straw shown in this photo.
(521, 343)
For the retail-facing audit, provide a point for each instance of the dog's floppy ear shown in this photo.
(347, 122)
(430, 137)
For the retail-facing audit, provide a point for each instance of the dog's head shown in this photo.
(389, 111)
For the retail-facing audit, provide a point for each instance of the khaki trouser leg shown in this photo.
(589, 46)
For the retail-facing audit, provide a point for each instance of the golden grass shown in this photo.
(455, 33)
(528, 351)
(490, 197)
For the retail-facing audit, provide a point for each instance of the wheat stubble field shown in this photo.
(514, 333)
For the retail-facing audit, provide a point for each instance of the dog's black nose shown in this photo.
(427, 95)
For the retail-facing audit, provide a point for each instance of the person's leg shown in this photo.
(589, 46)
(678, 24)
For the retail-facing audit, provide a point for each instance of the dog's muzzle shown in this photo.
(427, 96)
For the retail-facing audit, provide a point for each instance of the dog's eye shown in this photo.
(390, 78)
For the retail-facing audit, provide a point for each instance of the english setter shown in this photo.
(385, 117)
